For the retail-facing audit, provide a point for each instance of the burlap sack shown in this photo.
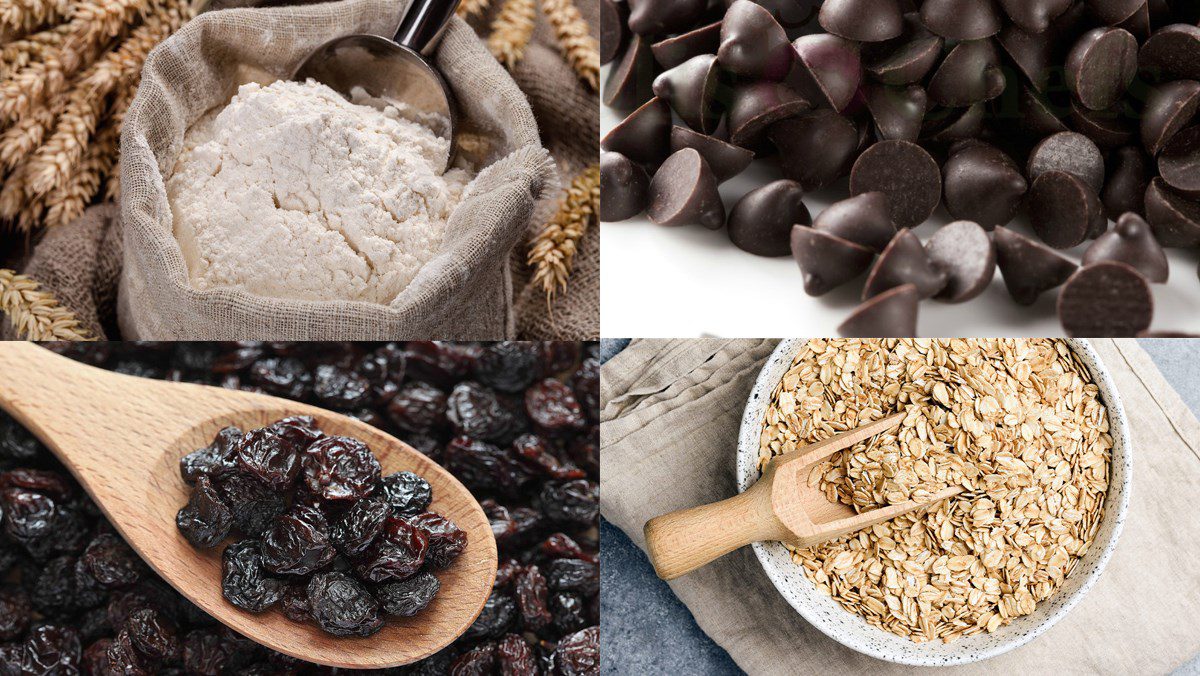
(463, 293)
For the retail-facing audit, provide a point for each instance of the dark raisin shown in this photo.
(497, 617)
(426, 444)
(561, 546)
(339, 388)
(357, 527)
(16, 612)
(271, 455)
(203, 654)
(531, 592)
(446, 540)
(54, 593)
(574, 575)
(485, 467)
(558, 356)
(205, 520)
(578, 654)
(536, 452)
(294, 603)
(568, 611)
(586, 385)
(340, 468)
(478, 661)
(440, 363)
(585, 451)
(574, 502)
(475, 411)
(154, 636)
(93, 661)
(506, 572)
(93, 624)
(397, 552)
(342, 606)
(409, 597)
(552, 406)
(16, 443)
(407, 493)
(253, 503)
(297, 543)
(244, 581)
(29, 519)
(111, 562)
(51, 649)
(418, 407)
(384, 369)
(282, 377)
(217, 459)
(514, 656)
(509, 365)
(41, 481)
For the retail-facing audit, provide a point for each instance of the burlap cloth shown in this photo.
(669, 420)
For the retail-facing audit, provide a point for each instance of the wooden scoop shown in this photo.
(122, 437)
(780, 506)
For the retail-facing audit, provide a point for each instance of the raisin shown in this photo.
(254, 504)
(297, 543)
(16, 612)
(93, 624)
(384, 370)
(123, 657)
(357, 527)
(574, 502)
(529, 587)
(271, 455)
(536, 452)
(409, 597)
(440, 363)
(446, 540)
(561, 546)
(244, 581)
(111, 562)
(342, 606)
(205, 520)
(418, 407)
(153, 635)
(54, 593)
(203, 654)
(426, 444)
(93, 661)
(482, 466)
(574, 575)
(238, 359)
(514, 656)
(284, 377)
(51, 649)
(506, 572)
(478, 661)
(16, 443)
(578, 654)
(508, 366)
(585, 451)
(340, 468)
(497, 617)
(294, 603)
(340, 388)
(475, 411)
(585, 383)
(29, 519)
(407, 493)
(552, 406)
(568, 611)
(397, 552)
(47, 483)
(217, 459)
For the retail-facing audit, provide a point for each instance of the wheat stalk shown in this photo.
(511, 31)
(36, 314)
(575, 39)
(68, 201)
(470, 8)
(552, 251)
(19, 140)
(20, 53)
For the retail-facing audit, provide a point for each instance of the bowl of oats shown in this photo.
(1034, 432)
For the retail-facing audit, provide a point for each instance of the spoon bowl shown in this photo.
(122, 438)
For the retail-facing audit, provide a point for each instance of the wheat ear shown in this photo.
(36, 314)
(511, 31)
(575, 39)
(20, 17)
(469, 8)
(552, 251)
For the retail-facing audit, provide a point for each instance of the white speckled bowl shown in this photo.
(825, 614)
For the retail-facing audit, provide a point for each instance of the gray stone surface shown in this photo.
(646, 630)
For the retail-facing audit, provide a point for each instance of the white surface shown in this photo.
(688, 281)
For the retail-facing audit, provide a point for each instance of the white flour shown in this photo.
(291, 191)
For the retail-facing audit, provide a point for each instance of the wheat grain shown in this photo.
(67, 202)
(19, 140)
(575, 40)
(470, 8)
(20, 17)
(37, 314)
(20, 53)
(552, 251)
(511, 31)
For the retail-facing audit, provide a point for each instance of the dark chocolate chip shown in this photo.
(761, 222)
(1063, 210)
(758, 105)
(961, 19)
(675, 50)
(1034, 16)
(1031, 52)
(753, 44)
(909, 63)
(658, 17)
(1128, 177)
(904, 261)
(982, 184)
(1105, 300)
(1038, 117)
(613, 31)
(863, 219)
(829, 64)
(644, 136)
(691, 89)
(1029, 267)
(1113, 12)
(794, 15)
(954, 124)
(1138, 23)
(1172, 53)
(898, 111)
(815, 148)
(1108, 129)
(629, 81)
(684, 191)
(624, 187)
(906, 173)
(1169, 108)
(964, 252)
(1179, 162)
(827, 261)
(1071, 152)
(1174, 217)
(1131, 242)
(1101, 65)
(862, 20)
(725, 159)
(891, 314)
(970, 73)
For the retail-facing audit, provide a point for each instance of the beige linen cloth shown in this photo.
(669, 417)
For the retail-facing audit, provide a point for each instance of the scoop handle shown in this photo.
(423, 25)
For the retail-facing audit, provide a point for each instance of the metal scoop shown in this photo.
(396, 70)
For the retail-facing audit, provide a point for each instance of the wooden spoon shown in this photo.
(779, 506)
(122, 437)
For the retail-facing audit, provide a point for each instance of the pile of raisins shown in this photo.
(516, 422)
(321, 527)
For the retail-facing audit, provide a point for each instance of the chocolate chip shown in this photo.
(827, 261)
(970, 73)
(891, 314)
(906, 173)
(815, 148)
(684, 191)
(644, 136)
(757, 106)
(898, 111)
(1113, 12)
(963, 251)
(954, 124)
(1031, 52)
(1128, 177)
(753, 44)
(1034, 15)
(1038, 117)
(1174, 217)
(628, 84)
(1179, 162)
(656, 17)
(909, 63)
(961, 19)
(613, 31)
(862, 20)
(675, 50)
(1169, 108)
(1071, 152)
(794, 15)
(828, 65)
(691, 89)
(904, 261)
(863, 219)
(1101, 65)
(761, 222)
(1131, 242)
(725, 159)
(1063, 210)
(624, 187)
(982, 184)
(1029, 267)
(1109, 128)
(1105, 300)
(1172, 53)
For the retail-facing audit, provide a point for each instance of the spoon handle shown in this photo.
(424, 23)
